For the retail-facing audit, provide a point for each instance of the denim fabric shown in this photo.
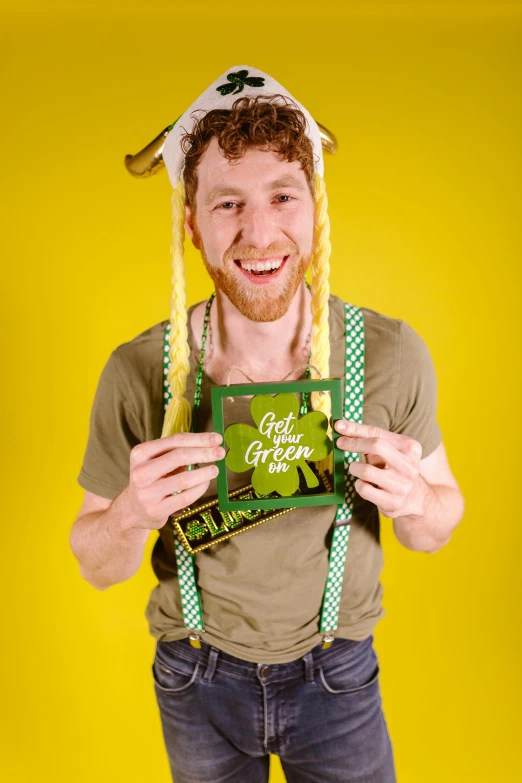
(322, 715)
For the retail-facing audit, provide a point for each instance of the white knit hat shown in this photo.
(221, 95)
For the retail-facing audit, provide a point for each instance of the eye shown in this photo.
(226, 204)
(284, 195)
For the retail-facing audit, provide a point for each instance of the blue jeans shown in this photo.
(321, 714)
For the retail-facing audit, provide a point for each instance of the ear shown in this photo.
(189, 225)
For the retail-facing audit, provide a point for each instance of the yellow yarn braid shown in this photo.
(320, 342)
(179, 413)
(320, 337)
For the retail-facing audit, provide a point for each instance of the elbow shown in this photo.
(437, 547)
(72, 541)
(97, 586)
(92, 581)
(88, 576)
(458, 510)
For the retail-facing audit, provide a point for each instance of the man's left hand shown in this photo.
(390, 478)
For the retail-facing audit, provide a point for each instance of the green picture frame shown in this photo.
(335, 497)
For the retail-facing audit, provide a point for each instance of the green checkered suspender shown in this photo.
(353, 411)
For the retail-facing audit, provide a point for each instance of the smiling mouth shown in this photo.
(266, 267)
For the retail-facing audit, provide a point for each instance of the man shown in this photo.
(248, 186)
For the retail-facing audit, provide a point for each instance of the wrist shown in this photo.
(128, 522)
(415, 508)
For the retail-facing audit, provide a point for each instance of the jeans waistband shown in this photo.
(210, 658)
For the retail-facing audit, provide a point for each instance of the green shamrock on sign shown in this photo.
(281, 443)
(239, 79)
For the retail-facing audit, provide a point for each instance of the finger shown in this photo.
(159, 446)
(380, 447)
(160, 467)
(379, 497)
(190, 456)
(177, 503)
(383, 479)
(354, 429)
(186, 479)
(373, 459)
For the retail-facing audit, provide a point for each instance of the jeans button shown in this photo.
(264, 671)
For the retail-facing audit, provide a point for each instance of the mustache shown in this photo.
(249, 253)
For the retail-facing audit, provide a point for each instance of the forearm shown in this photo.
(108, 549)
(439, 512)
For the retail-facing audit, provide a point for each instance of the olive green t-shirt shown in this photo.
(262, 590)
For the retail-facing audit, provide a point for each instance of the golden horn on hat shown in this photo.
(149, 160)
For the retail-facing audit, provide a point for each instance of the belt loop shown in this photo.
(211, 663)
(309, 666)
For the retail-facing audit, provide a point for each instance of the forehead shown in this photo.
(256, 167)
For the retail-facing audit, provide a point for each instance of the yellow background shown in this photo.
(425, 211)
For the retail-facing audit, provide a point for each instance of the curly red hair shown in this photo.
(261, 121)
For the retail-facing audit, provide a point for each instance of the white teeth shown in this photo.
(261, 266)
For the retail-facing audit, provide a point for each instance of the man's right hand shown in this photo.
(159, 467)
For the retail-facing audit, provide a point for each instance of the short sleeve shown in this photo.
(416, 405)
(114, 430)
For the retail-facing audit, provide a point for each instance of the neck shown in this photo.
(264, 350)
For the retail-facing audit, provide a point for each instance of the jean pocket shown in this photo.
(174, 676)
(350, 675)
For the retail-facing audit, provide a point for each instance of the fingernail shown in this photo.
(340, 425)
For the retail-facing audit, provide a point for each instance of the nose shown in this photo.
(258, 228)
